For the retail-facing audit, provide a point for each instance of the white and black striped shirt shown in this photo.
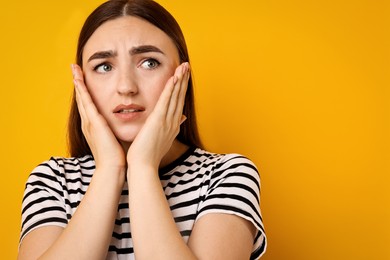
(196, 184)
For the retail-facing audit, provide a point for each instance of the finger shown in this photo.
(77, 72)
(175, 91)
(172, 113)
(77, 92)
(182, 95)
(163, 103)
(177, 115)
(79, 103)
(87, 109)
(85, 98)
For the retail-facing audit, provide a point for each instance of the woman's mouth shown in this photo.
(125, 111)
(128, 112)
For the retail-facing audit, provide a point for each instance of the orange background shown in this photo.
(300, 87)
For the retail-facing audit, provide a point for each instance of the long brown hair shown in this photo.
(159, 17)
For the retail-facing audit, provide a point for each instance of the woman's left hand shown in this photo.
(163, 125)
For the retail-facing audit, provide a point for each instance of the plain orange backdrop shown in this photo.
(301, 87)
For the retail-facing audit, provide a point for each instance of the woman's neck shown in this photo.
(177, 149)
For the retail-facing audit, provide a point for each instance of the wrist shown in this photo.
(112, 174)
(141, 168)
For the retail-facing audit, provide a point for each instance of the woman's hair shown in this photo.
(155, 14)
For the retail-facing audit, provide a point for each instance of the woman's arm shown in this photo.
(153, 229)
(154, 232)
(155, 235)
(222, 236)
(88, 234)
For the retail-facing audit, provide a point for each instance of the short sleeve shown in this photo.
(43, 201)
(235, 189)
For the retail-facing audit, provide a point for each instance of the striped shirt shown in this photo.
(196, 184)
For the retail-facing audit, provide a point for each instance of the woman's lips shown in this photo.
(128, 112)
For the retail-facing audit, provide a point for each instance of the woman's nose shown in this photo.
(127, 84)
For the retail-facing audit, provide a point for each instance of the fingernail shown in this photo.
(174, 80)
(75, 83)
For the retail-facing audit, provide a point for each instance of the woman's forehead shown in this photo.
(128, 32)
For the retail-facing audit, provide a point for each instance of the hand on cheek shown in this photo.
(105, 148)
(163, 125)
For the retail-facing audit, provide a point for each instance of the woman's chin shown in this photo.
(126, 137)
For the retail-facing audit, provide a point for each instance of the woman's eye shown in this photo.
(150, 64)
(103, 68)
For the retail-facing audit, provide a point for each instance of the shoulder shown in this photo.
(67, 163)
(224, 158)
(72, 163)
(237, 161)
(233, 187)
(58, 168)
(220, 159)
(227, 164)
(52, 191)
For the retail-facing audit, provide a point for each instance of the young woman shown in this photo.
(138, 184)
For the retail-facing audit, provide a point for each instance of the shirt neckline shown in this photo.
(177, 162)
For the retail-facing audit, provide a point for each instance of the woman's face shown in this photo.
(126, 64)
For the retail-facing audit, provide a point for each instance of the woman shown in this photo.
(138, 184)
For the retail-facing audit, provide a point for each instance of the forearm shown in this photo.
(154, 232)
(88, 234)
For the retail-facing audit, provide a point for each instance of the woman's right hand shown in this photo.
(106, 149)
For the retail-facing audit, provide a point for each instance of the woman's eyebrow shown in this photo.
(133, 51)
(102, 55)
(145, 48)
